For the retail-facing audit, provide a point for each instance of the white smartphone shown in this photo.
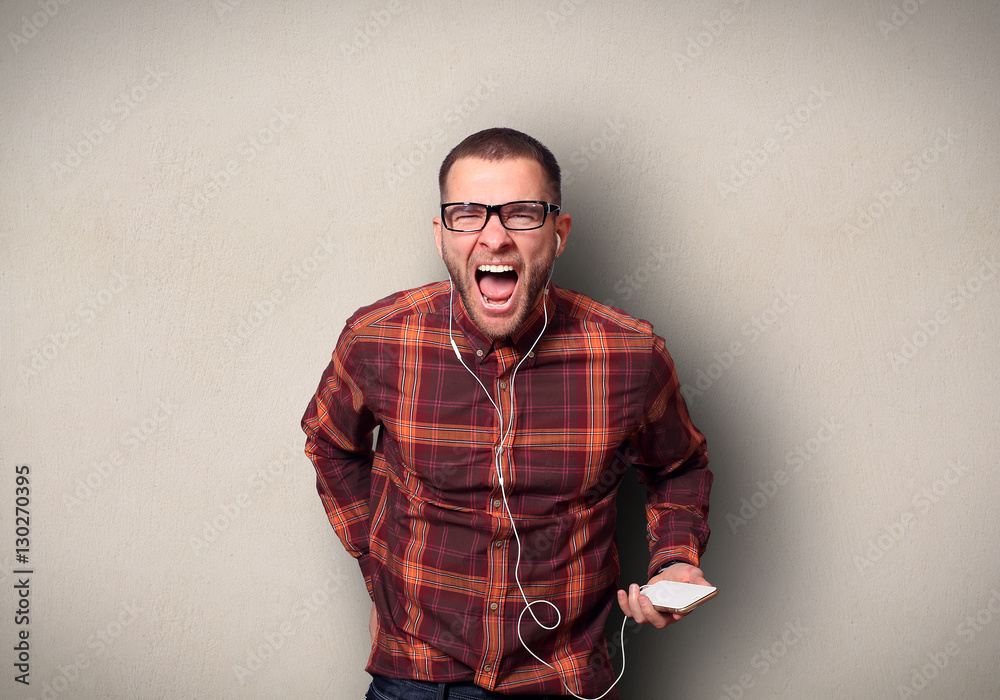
(674, 597)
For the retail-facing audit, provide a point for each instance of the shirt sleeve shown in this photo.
(670, 456)
(339, 428)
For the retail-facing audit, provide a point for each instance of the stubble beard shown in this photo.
(530, 283)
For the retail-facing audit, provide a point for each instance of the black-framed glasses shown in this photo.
(469, 217)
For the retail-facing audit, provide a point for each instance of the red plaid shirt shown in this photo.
(423, 513)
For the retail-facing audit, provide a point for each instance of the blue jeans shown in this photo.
(383, 688)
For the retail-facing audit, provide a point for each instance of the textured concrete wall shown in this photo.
(801, 196)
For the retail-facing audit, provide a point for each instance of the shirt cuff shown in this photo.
(671, 563)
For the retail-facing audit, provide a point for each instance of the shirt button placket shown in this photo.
(498, 564)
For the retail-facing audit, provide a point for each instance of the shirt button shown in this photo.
(503, 385)
(479, 353)
(498, 544)
(487, 668)
(531, 354)
(493, 606)
(497, 503)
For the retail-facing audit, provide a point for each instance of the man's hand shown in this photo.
(373, 623)
(637, 606)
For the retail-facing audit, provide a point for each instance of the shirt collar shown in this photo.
(521, 340)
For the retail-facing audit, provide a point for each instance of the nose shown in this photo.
(494, 236)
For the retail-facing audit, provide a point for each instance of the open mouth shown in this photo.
(497, 284)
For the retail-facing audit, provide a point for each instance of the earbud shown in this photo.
(558, 243)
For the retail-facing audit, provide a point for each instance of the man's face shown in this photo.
(499, 302)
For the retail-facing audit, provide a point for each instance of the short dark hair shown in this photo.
(501, 143)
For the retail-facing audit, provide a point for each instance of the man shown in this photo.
(484, 519)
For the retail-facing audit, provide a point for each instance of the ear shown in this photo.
(438, 233)
(563, 225)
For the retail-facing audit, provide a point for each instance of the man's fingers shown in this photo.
(623, 602)
(645, 610)
(633, 603)
(629, 603)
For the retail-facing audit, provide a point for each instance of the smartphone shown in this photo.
(674, 597)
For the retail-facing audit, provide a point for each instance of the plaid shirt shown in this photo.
(424, 514)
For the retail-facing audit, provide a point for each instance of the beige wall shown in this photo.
(196, 195)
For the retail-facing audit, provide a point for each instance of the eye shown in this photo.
(523, 214)
(462, 216)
